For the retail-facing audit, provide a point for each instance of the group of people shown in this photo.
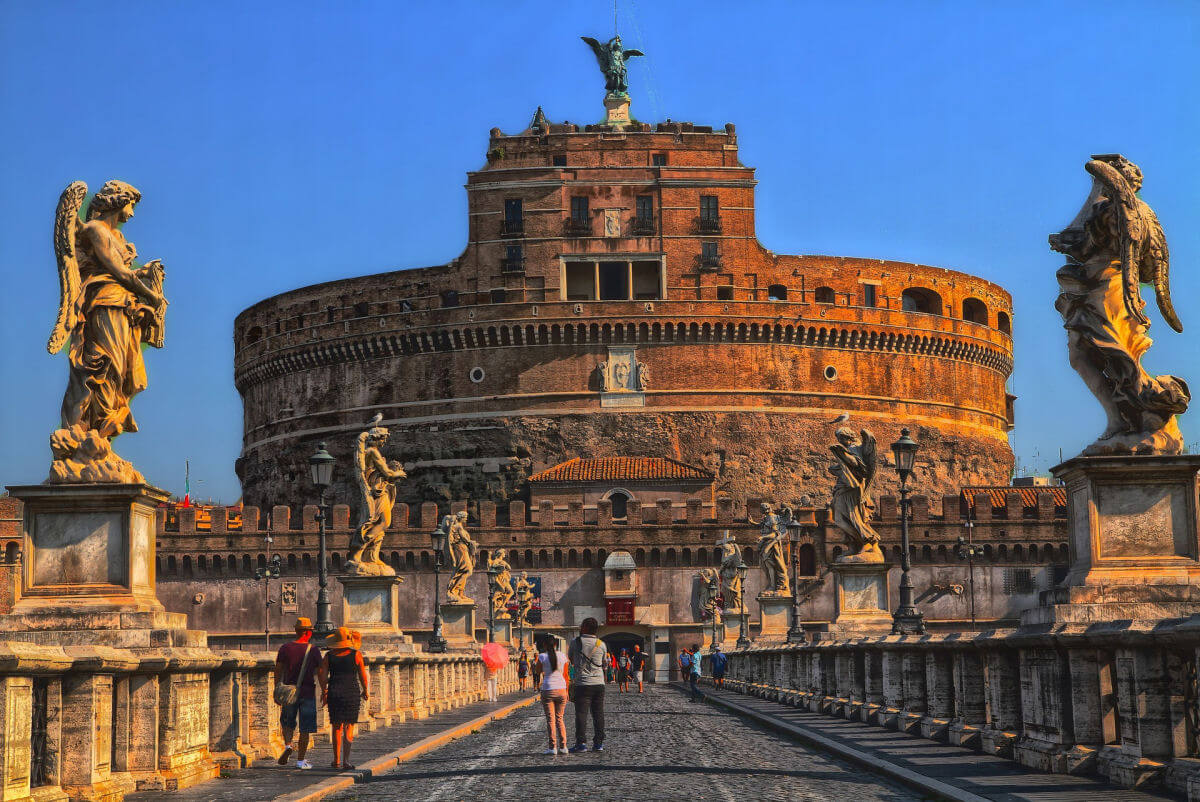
(690, 668)
(579, 675)
(344, 683)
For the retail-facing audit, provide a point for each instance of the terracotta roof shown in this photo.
(600, 469)
(1028, 494)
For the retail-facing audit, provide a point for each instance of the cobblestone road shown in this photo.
(658, 746)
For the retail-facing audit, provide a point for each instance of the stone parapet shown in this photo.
(1115, 700)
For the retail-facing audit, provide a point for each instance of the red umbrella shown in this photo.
(495, 655)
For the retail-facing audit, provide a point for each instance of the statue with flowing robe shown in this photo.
(772, 550)
(376, 480)
(851, 504)
(462, 556)
(504, 589)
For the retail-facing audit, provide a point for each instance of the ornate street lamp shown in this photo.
(906, 620)
(796, 632)
(437, 641)
(493, 586)
(743, 642)
(967, 550)
(321, 464)
(265, 574)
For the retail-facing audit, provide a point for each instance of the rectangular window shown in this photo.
(645, 207)
(725, 293)
(709, 211)
(869, 298)
(581, 281)
(579, 208)
(498, 296)
(560, 161)
(658, 160)
(646, 285)
(514, 259)
(708, 251)
(512, 210)
(614, 281)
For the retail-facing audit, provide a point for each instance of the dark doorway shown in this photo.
(617, 641)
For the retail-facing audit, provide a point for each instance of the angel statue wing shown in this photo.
(867, 450)
(66, 225)
(600, 51)
(631, 53)
(1143, 247)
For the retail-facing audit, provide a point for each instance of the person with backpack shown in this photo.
(553, 687)
(637, 663)
(588, 656)
(685, 663)
(694, 674)
(719, 661)
(623, 671)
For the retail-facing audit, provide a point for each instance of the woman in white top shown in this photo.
(554, 690)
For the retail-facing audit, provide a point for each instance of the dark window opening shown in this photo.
(645, 207)
(919, 299)
(579, 209)
(806, 560)
(869, 297)
(975, 311)
(581, 281)
(620, 505)
(560, 161)
(709, 211)
(514, 221)
(1003, 322)
(658, 160)
(329, 314)
(449, 298)
(362, 309)
(725, 293)
(823, 295)
(614, 281)
(498, 296)
(777, 292)
(646, 283)
(708, 255)
(514, 259)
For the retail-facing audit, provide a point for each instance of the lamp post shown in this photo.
(906, 620)
(265, 574)
(796, 632)
(743, 642)
(437, 640)
(967, 550)
(321, 464)
(493, 585)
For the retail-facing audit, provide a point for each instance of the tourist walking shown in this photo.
(685, 663)
(694, 674)
(589, 658)
(296, 691)
(535, 667)
(552, 668)
(344, 687)
(637, 664)
(523, 669)
(719, 661)
(623, 671)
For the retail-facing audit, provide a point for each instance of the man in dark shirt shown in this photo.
(288, 663)
(637, 664)
(719, 662)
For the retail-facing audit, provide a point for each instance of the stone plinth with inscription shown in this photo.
(775, 611)
(371, 604)
(1135, 541)
(502, 630)
(88, 577)
(862, 599)
(458, 622)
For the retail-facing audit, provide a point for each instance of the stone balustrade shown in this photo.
(1117, 700)
(97, 723)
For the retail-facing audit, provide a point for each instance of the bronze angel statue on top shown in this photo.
(612, 58)
(1114, 245)
(109, 307)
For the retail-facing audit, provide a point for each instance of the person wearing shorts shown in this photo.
(637, 664)
(288, 662)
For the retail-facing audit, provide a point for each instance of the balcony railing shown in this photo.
(644, 227)
(578, 227)
(512, 228)
(512, 265)
(710, 262)
(708, 225)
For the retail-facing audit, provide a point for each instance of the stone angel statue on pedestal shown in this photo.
(376, 480)
(504, 589)
(524, 598)
(611, 57)
(1114, 245)
(851, 505)
(710, 592)
(109, 307)
(462, 556)
(731, 558)
(772, 555)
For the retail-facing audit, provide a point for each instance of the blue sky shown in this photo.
(281, 144)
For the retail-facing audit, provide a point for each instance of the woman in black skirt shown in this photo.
(344, 686)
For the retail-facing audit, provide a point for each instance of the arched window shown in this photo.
(919, 299)
(1003, 322)
(823, 295)
(975, 311)
(777, 292)
(620, 504)
(254, 335)
(806, 560)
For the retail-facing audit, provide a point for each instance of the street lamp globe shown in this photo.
(321, 465)
(904, 451)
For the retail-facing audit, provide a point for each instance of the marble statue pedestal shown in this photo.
(1135, 541)
(88, 569)
(458, 624)
(371, 604)
(616, 108)
(733, 628)
(862, 599)
(775, 617)
(502, 630)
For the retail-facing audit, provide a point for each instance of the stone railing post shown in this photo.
(893, 689)
(970, 712)
(915, 694)
(939, 693)
(872, 685)
(1002, 688)
(1048, 730)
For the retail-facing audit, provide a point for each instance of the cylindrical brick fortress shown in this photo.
(613, 299)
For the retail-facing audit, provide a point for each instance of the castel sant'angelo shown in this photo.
(613, 299)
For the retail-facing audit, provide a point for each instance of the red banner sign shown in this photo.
(620, 611)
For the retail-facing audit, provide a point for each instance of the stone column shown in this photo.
(872, 686)
(143, 718)
(222, 738)
(87, 738)
(893, 689)
(970, 712)
(1048, 731)
(16, 718)
(183, 758)
(939, 694)
(1002, 689)
(1086, 721)
(915, 695)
